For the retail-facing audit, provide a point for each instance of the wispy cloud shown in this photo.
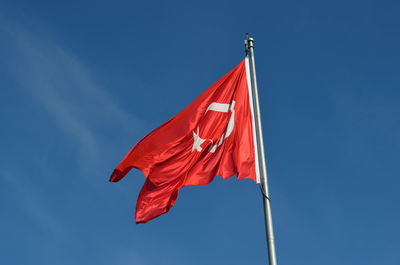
(63, 86)
(66, 88)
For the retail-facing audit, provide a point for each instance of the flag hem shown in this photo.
(253, 123)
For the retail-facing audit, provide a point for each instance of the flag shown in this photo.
(213, 136)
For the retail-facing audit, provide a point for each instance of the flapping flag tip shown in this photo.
(116, 176)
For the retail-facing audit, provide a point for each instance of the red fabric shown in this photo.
(169, 159)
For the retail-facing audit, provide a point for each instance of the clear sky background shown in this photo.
(82, 81)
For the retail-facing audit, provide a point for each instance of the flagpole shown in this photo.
(249, 43)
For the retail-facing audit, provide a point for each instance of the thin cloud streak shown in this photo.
(65, 87)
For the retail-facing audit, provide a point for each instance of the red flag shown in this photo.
(213, 136)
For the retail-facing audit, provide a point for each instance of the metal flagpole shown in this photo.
(249, 43)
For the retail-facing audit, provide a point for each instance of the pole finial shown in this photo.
(248, 43)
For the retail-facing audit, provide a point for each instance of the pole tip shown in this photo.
(248, 43)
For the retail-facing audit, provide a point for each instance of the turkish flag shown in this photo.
(213, 136)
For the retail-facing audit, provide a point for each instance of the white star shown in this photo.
(197, 141)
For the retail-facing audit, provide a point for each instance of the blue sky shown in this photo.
(82, 81)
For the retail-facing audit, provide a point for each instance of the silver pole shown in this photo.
(249, 43)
